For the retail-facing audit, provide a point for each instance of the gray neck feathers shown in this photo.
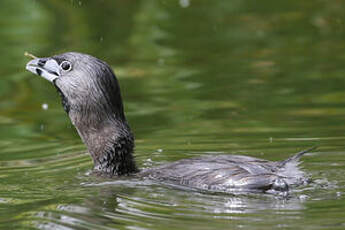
(99, 118)
(110, 144)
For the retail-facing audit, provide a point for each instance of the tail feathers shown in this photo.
(296, 157)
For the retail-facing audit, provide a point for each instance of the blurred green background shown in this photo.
(198, 77)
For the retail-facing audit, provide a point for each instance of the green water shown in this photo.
(261, 78)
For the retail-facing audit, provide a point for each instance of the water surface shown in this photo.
(198, 78)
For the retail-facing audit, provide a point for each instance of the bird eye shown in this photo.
(65, 65)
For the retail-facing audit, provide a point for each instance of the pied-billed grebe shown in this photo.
(91, 97)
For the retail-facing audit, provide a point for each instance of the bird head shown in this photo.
(91, 96)
(87, 85)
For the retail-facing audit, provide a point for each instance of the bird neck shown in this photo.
(110, 143)
(117, 159)
(105, 132)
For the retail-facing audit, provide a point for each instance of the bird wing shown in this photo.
(221, 173)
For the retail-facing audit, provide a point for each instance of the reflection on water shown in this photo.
(198, 78)
(124, 206)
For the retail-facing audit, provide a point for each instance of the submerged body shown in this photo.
(231, 174)
(91, 97)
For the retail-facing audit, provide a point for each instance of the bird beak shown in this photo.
(45, 67)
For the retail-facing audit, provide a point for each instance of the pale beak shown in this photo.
(44, 67)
